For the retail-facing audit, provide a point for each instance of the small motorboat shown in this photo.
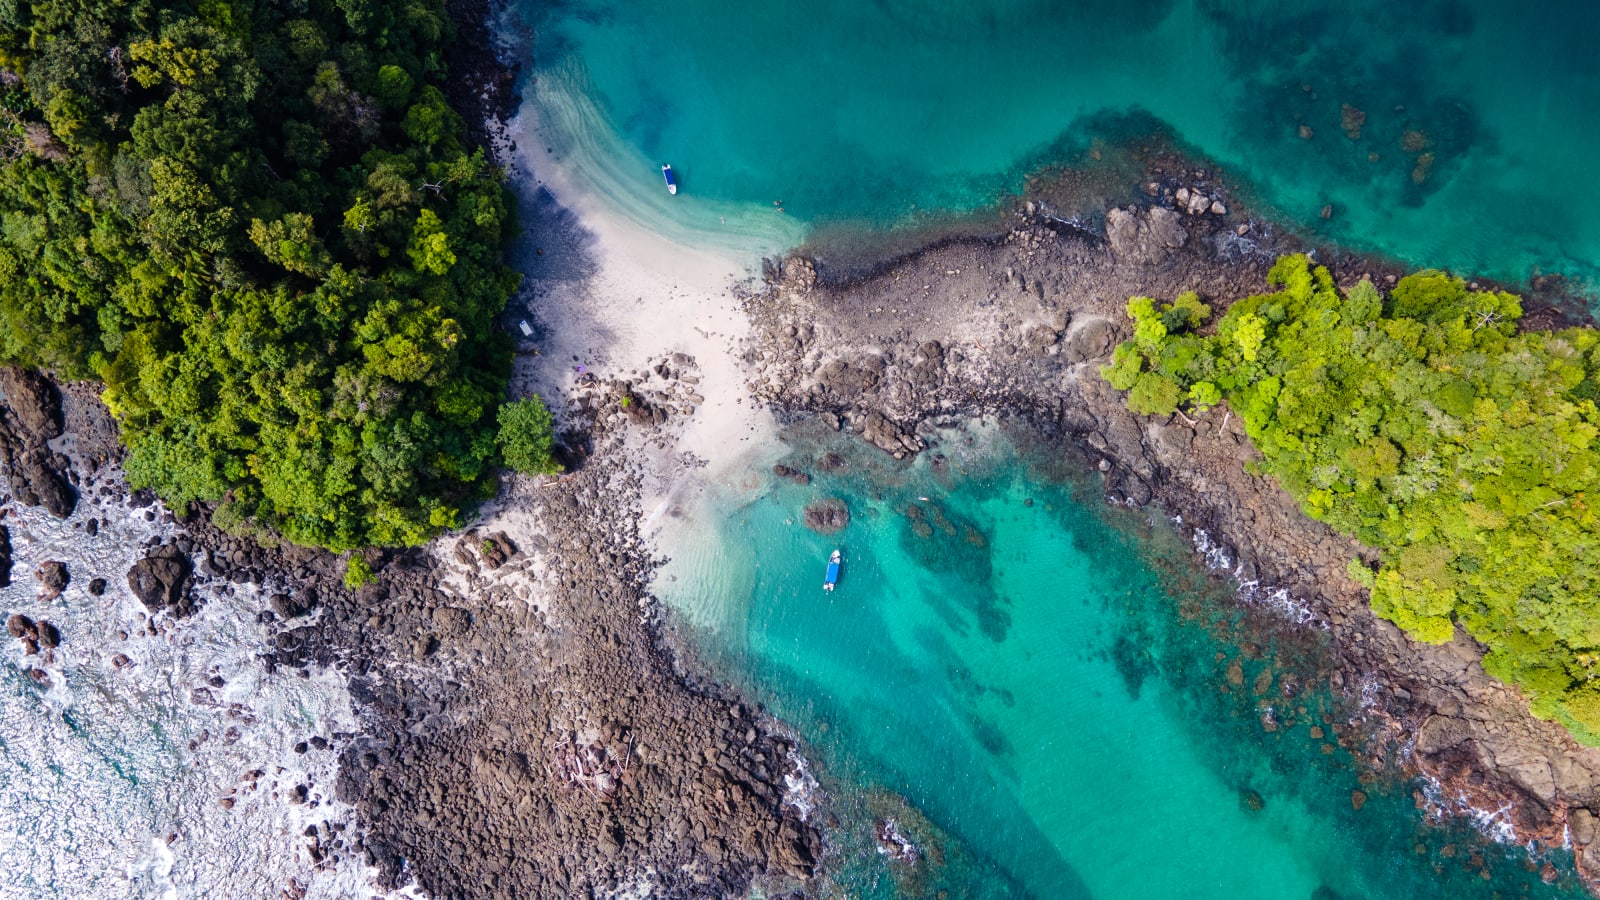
(672, 180)
(832, 577)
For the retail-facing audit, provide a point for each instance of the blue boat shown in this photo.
(832, 577)
(672, 180)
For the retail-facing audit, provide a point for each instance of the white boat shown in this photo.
(672, 180)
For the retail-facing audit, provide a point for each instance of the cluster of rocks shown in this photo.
(494, 550)
(1197, 203)
(1023, 325)
(33, 635)
(649, 398)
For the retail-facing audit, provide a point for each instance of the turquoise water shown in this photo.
(888, 112)
(1044, 703)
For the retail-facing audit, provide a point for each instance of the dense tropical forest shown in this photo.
(258, 225)
(1424, 424)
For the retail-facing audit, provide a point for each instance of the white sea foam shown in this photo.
(800, 788)
(1494, 824)
(111, 779)
(1217, 558)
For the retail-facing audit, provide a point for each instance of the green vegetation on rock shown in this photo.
(1428, 427)
(526, 437)
(257, 224)
(358, 573)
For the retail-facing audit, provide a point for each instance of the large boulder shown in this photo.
(1144, 238)
(53, 577)
(161, 581)
(1090, 339)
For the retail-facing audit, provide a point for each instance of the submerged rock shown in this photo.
(828, 516)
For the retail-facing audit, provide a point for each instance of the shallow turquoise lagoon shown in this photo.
(1478, 118)
(1037, 698)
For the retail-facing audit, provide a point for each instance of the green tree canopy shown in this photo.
(1427, 426)
(258, 225)
(526, 437)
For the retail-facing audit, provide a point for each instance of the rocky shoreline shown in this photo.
(525, 732)
(525, 729)
(1018, 327)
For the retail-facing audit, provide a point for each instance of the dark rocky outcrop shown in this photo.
(161, 581)
(30, 417)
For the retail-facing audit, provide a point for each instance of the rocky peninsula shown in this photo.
(1017, 324)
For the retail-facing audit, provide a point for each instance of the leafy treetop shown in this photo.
(257, 224)
(1427, 426)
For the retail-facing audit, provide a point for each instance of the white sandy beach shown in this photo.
(643, 295)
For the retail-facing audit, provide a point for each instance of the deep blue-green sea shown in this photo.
(1475, 152)
(1049, 697)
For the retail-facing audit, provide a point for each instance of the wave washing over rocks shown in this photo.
(146, 751)
(1017, 324)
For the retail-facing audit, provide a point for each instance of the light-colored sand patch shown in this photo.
(646, 295)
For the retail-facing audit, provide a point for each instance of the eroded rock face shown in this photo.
(161, 581)
(29, 417)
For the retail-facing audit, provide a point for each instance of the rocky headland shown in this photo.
(1016, 325)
